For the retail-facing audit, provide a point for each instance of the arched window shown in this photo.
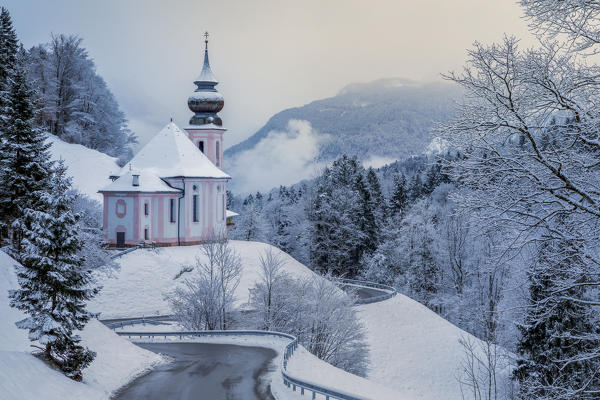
(201, 145)
(218, 156)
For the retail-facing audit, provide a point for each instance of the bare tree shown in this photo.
(271, 264)
(579, 20)
(457, 233)
(318, 313)
(207, 296)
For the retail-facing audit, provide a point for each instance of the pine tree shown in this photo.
(365, 218)
(54, 285)
(378, 204)
(558, 339)
(416, 188)
(24, 159)
(399, 199)
(9, 46)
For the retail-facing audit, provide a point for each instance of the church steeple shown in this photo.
(206, 101)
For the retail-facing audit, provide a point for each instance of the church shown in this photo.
(173, 192)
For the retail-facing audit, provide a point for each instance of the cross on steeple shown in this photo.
(206, 37)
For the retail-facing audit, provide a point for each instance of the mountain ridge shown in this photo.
(395, 115)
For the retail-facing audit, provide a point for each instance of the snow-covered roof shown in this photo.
(206, 75)
(147, 182)
(172, 154)
(229, 213)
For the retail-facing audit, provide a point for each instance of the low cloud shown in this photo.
(378, 161)
(281, 158)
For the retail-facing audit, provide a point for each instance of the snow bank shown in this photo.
(89, 168)
(311, 369)
(146, 275)
(412, 349)
(24, 377)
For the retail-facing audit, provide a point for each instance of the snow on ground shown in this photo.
(413, 350)
(146, 275)
(24, 377)
(89, 168)
(311, 369)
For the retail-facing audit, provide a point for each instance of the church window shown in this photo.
(146, 209)
(218, 156)
(121, 208)
(146, 235)
(195, 207)
(201, 145)
(172, 210)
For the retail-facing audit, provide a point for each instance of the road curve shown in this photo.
(204, 371)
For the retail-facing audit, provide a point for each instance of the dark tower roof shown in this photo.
(206, 101)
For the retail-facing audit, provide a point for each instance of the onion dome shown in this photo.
(206, 101)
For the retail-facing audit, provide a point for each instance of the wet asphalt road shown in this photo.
(366, 293)
(204, 372)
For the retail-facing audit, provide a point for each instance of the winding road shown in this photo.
(210, 371)
(204, 371)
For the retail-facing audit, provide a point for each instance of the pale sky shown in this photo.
(267, 55)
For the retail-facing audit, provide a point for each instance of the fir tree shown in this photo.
(9, 46)
(24, 159)
(558, 344)
(365, 218)
(54, 285)
(378, 204)
(399, 199)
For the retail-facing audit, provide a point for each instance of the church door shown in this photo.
(120, 239)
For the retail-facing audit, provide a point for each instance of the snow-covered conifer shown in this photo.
(24, 159)
(399, 199)
(54, 285)
(557, 359)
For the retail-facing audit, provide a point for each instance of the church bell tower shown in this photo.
(205, 129)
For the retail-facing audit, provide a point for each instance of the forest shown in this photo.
(500, 236)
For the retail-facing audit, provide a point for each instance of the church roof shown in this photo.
(145, 183)
(206, 75)
(172, 154)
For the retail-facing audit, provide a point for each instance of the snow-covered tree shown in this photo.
(555, 332)
(399, 198)
(206, 297)
(73, 101)
(319, 314)
(343, 224)
(24, 159)
(271, 274)
(54, 285)
(9, 46)
(528, 138)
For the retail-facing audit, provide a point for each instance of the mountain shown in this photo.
(387, 118)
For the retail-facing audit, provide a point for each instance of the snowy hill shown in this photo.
(24, 377)
(89, 168)
(412, 349)
(145, 275)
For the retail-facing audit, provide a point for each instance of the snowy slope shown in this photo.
(24, 377)
(145, 275)
(413, 350)
(89, 168)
